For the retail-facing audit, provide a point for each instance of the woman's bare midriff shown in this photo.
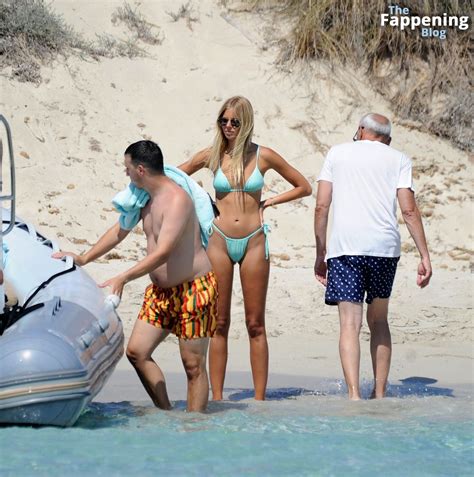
(239, 213)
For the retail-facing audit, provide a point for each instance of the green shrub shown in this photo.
(428, 80)
(32, 34)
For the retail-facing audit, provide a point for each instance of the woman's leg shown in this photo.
(224, 269)
(254, 273)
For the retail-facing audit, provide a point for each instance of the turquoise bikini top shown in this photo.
(254, 182)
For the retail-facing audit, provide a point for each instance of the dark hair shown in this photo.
(147, 153)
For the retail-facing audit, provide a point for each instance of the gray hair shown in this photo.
(377, 124)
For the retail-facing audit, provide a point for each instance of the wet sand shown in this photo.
(417, 369)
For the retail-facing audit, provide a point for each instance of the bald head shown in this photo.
(376, 125)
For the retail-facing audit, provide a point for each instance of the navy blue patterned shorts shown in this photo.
(351, 276)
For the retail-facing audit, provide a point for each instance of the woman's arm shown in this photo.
(272, 160)
(197, 162)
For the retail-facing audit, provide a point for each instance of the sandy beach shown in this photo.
(70, 132)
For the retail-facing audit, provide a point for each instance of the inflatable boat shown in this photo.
(60, 338)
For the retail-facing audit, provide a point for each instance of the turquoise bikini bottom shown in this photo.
(236, 247)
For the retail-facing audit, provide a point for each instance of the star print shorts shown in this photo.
(350, 277)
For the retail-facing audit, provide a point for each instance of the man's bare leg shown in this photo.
(144, 340)
(380, 344)
(350, 317)
(193, 355)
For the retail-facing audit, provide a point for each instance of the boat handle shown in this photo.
(111, 303)
(69, 261)
(87, 338)
(10, 197)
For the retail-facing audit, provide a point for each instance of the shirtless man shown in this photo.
(183, 293)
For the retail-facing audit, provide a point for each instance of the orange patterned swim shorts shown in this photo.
(188, 310)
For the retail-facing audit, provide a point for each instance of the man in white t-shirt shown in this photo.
(363, 180)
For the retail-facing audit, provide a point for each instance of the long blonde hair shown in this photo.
(244, 113)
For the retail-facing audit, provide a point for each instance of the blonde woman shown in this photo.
(239, 233)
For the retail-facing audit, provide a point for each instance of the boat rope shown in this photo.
(13, 314)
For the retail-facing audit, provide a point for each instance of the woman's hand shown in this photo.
(262, 206)
(267, 203)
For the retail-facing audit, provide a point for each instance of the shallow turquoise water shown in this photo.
(295, 433)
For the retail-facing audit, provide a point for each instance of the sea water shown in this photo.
(420, 430)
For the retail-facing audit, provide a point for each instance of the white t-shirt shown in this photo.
(365, 176)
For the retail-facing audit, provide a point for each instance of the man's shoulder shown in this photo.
(383, 148)
(341, 146)
(176, 195)
(340, 150)
(391, 150)
(364, 147)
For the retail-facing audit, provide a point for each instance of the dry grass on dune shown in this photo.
(426, 79)
(32, 35)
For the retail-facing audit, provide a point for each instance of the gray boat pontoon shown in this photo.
(60, 337)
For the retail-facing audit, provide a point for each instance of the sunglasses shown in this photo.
(235, 123)
(355, 138)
